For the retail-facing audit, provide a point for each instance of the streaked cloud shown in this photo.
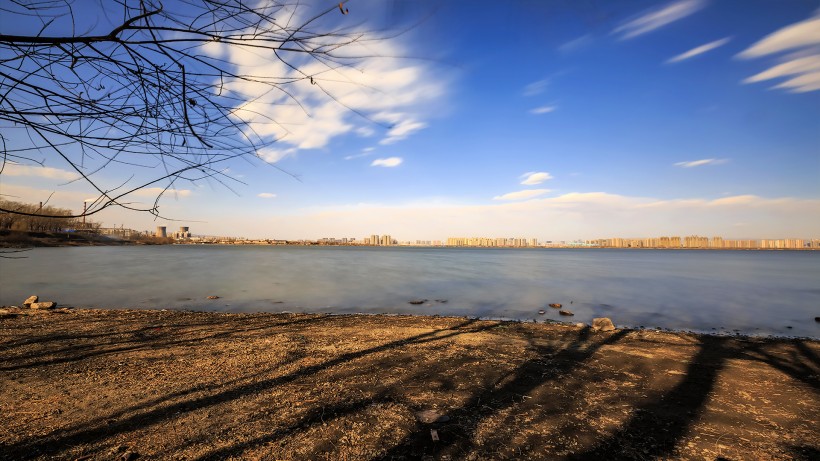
(309, 112)
(699, 50)
(798, 35)
(365, 131)
(522, 194)
(266, 195)
(274, 155)
(402, 130)
(153, 192)
(536, 88)
(542, 110)
(576, 44)
(532, 178)
(15, 169)
(802, 64)
(388, 162)
(657, 18)
(702, 162)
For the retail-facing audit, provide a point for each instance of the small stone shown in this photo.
(556, 305)
(580, 325)
(417, 301)
(602, 324)
(431, 416)
(212, 297)
(817, 319)
(128, 456)
(44, 305)
(30, 300)
(542, 312)
(565, 313)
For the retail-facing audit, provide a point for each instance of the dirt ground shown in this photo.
(117, 384)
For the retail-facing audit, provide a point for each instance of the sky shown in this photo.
(556, 120)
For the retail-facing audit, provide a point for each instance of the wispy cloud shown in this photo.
(803, 65)
(402, 130)
(15, 169)
(152, 192)
(365, 131)
(274, 155)
(657, 18)
(532, 178)
(536, 88)
(365, 152)
(576, 44)
(266, 195)
(388, 162)
(699, 50)
(522, 194)
(308, 116)
(542, 110)
(702, 162)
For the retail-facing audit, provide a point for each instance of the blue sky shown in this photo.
(540, 119)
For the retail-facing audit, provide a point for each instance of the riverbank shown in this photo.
(137, 384)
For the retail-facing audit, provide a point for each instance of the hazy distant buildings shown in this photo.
(499, 242)
(161, 232)
(695, 241)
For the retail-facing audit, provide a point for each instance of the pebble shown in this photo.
(43, 305)
(556, 305)
(542, 312)
(417, 301)
(565, 313)
(30, 300)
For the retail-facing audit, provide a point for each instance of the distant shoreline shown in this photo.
(60, 239)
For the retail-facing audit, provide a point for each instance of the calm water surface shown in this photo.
(758, 292)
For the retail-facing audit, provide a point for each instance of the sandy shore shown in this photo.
(104, 384)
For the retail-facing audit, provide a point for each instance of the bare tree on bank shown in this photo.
(153, 89)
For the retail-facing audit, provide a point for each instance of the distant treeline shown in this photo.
(48, 219)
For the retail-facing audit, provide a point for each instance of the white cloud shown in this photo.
(576, 44)
(388, 162)
(303, 116)
(699, 50)
(797, 35)
(522, 194)
(702, 162)
(658, 18)
(274, 155)
(365, 152)
(542, 110)
(803, 66)
(365, 131)
(153, 192)
(536, 88)
(402, 130)
(16, 169)
(266, 195)
(532, 178)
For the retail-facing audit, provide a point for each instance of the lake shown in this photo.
(756, 292)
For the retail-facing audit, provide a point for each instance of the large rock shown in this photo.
(602, 324)
(30, 300)
(44, 305)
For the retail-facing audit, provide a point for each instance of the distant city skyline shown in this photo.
(688, 117)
